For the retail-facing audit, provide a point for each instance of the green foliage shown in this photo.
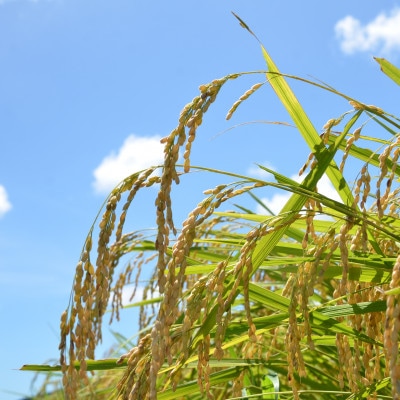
(302, 304)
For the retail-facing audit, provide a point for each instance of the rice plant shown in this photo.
(244, 305)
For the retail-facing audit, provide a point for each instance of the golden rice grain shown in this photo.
(242, 98)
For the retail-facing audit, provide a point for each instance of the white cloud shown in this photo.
(275, 203)
(257, 172)
(136, 153)
(127, 292)
(325, 187)
(381, 34)
(5, 204)
(278, 200)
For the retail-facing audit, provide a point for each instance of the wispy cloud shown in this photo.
(278, 200)
(381, 34)
(136, 153)
(5, 204)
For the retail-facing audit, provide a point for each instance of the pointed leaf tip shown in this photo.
(243, 24)
(389, 69)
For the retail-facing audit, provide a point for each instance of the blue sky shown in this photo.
(87, 89)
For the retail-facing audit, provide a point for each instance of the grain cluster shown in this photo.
(273, 312)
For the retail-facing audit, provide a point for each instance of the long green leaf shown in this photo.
(192, 388)
(91, 365)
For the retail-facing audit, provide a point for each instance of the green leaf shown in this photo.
(354, 309)
(369, 390)
(389, 69)
(192, 388)
(270, 383)
(91, 365)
